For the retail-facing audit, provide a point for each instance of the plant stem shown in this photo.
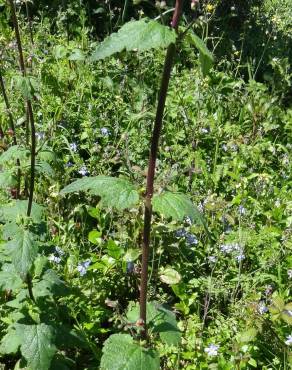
(32, 128)
(151, 168)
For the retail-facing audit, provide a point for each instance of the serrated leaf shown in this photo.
(76, 55)
(37, 345)
(7, 180)
(22, 250)
(135, 35)
(18, 208)
(169, 276)
(10, 342)
(277, 305)
(160, 319)
(49, 285)
(247, 336)
(175, 205)
(114, 192)
(120, 352)
(9, 279)
(13, 153)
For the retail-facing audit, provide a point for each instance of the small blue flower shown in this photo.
(83, 171)
(241, 210)
(130, 267)
(59, 251)
(262, 308)
(212, 350)
(191, 239)
(180, 233)
(240, 257)
(212, 259)
(40, 135)
(288, 340)
(73, 147)
(82, 267)
(69, 164)
(104, 131)
(54, 258)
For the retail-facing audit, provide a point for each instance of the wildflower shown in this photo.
(40, 135)
(83, 171)
(73, 147)
(180, 233)
(288, 340)
(212, 350)
(212, 259)
(204, 130)
(104, 131)
(59, 251)
(224, 147)
(240, 257)
(188, 220)
(209, 8)
(269, 290)
(54, 258)
(232, 8)
(262, 308)
(241, 210)
(163, 5)
(289, 273)
(69, 164)
(130, 267)
(226, 248)
(82, 267)
(191, 239)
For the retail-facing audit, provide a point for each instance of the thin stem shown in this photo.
(29, 22)
(151, 168)
(32, 127)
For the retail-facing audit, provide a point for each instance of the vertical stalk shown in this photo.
(29, 20)
(30, 119)
(151, 168)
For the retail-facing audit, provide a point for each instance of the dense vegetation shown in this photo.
(76, 121)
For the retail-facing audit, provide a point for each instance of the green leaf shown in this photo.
(18, 208)
(200, 45)
(205, 56)
(114, 192)
(76, 55)
(120, 352)
(49, 285)
(247, 336)
(94, 237)
(10, 342)
(13, 153)
(131, 255)
(9, 279)
(169, 276)
(7, 180)
(37, 345)
(160, 319)
(135, 35)
(22, 250)
(177, 206)
(27, 85)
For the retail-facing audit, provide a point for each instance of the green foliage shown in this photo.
(18, 209)
(205, 56)
(160, 320)
(23, 250)
(36, 345)
(121, 352)
(139, 35)
(114, 192)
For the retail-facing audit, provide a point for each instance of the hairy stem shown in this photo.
(32, 127)
(151, 168)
